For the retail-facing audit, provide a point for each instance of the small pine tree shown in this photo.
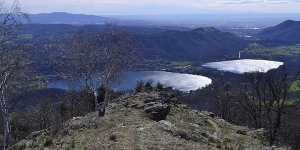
(159, 86)
(148, 86)
(139, 86)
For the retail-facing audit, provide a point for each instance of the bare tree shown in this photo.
(12, 59)
(266, 99)
(224, 101)
(96, 59)
(43, 113)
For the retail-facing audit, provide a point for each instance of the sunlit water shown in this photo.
(244, 65)
(179, 81)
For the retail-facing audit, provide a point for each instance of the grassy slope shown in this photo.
(129, 128)
(288, 51)
(295, 86)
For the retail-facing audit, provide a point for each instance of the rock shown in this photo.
(261, 130)
(36, 134)
(156, 104)
(196, 136)
(241, 132)
(206, 113)
(184, 107)
(158, 112)
(132, 105)
(211, 114)
(88, 125)
(211, 136)
(223, 122)
(254, 133)
(77, 126)
(214, 137)
(205, 134)
(194, 125)
(165, 124)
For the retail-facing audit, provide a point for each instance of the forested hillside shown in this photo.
(202, 44)
(286, 31)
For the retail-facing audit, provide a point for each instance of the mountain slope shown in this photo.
(202, 44)
(286, 31)
(127, 125)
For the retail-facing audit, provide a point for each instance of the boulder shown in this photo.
(158, 111)
(36, 134)
(158, 104)
(166, 125)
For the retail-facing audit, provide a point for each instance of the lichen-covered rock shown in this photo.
(36, 134)
(166, 125)
(156, 104)
(158, 111)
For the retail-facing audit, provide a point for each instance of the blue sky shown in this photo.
(153, 7)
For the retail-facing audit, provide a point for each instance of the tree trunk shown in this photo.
(98, 107)
(6, 133)
(106, 100)
(274, 140)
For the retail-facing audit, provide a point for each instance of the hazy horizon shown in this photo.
(156, 7)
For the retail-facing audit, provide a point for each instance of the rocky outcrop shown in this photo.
(36, 134)
(156, 105)
(125, 127)
(158, 111)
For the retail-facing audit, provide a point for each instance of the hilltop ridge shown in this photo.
(288, 30)
(66, 18)
(130, 123)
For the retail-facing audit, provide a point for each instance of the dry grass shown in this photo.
(131, 129)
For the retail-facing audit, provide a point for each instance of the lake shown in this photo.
(244, 65)
(179, 81)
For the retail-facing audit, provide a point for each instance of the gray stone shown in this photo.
(194, 125)
(158, 112)
(165, 124)
(36, 134)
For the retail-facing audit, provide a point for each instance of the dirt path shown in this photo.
(102, 140)
(129, 139)
(218, 130)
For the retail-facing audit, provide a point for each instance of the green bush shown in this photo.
(159, 86)
(48, 142)
(139, 86)
(241, 132)
(73, 144)
(23, 146)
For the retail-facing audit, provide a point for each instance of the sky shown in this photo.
(158, 7)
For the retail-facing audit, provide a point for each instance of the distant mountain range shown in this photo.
(286, 31)
(66, 18)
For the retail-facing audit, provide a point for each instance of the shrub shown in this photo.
(241, 132)
(48, 142)
(159, 86)
(73, 144)
(113, 137)
(23, 146)
(139, 86)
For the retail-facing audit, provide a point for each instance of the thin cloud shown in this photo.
(256, 2)
(157, 6)
(279, 2)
